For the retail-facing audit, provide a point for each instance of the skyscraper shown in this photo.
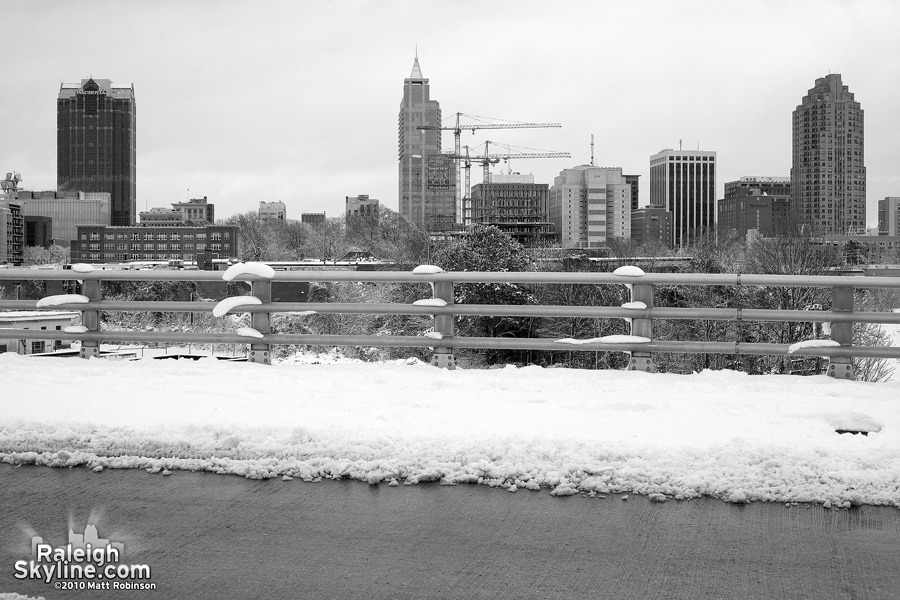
(828, 175)
(684, 183)
(427, 187)
(96, 144)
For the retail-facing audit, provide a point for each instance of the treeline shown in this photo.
(387, 235)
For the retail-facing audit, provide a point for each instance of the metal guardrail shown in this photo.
(842, 316)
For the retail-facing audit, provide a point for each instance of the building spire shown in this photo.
(417, 70)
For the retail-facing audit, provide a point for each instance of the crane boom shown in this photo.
(457, 131)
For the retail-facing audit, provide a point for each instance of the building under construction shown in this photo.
(515, 204)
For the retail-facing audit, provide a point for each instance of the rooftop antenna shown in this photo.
(592, 149)
(679, 145)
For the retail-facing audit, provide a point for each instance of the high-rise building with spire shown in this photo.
(96, 143)
(828, 176)
(427, 187)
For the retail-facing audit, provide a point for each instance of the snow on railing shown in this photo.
(639, 311)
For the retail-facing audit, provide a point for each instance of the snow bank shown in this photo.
(83, 268)
(813, 344)
(248, 332)
(427, 270)
(62, 299)
(228, 304)
(250, 268)
(718, 433)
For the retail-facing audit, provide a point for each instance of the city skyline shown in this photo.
(296, 113)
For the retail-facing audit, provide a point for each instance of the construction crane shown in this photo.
(457, 131)
(509, 155)
(486, 160)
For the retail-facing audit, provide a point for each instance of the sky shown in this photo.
(297, 102)
(725, 434)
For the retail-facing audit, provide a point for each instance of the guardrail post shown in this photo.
(91, 319)
(443, 324)
(642, 361)
(841, 367)
(261, 352)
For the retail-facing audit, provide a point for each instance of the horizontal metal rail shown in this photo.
(531, 277)
(841, 316)
(492, 310)
(498, 343)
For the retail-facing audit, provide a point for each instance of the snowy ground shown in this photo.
(724, 434)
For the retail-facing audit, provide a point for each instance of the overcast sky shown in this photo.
(297, 101)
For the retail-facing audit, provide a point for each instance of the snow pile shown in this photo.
(725, 434)
(82, 268)
(250, 268)
(228, 304)
(430, 302)
(248, 332)
(629, 271)
(623, 339)
(62, 299)
(813, 344)
(607, 339)
(76, 329)
(637, 305)
(427, 270)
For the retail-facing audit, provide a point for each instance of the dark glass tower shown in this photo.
(96, 144)
(427, 191)
(828, 176)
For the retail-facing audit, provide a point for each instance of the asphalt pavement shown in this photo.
(215, 536)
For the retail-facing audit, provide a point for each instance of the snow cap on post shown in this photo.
(629, 271)
(233, 302)
(62, 299)
(82, 268)
(430, 302)
(257, 269)
(427, 270)
(249, 332)
(813, 344)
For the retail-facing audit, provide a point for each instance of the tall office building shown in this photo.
(889, 216)
(684, 183)
(828, 175)
(96, 144)
(589, 205)
(427, 184)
